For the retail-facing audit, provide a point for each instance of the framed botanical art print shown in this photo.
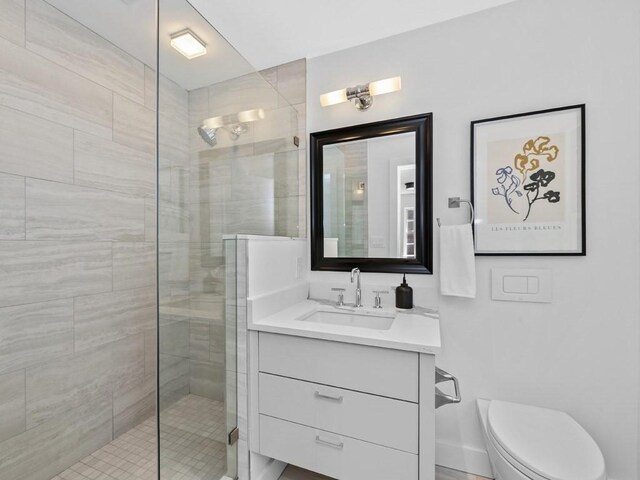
(527, 183)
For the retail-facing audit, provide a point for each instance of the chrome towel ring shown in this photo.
(454, 202)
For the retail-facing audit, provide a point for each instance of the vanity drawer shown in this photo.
(333, 455)
(380, 371)
(381, 420)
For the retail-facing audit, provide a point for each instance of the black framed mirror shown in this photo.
(371, 197)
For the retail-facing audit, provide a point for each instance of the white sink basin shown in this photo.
(349, 318)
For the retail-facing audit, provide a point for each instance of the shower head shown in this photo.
(208, 135)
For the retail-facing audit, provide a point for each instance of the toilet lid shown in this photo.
(547, 442)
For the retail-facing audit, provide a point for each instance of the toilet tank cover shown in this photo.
(547, 442)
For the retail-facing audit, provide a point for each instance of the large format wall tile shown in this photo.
(35, 85)
(173, 148)
(149, 87)
(33, 147)
(286, 175)
(150, 220)
(173, 124)
(67, 385)
(206, 379)
(12, 207)
(174, 379)
(66, 42)
(107, 317)
(35, 333)
(63, 212)
(108, 165)
(241, 93)
(134, 265)
(132, 406)
(254, 217)
(12, 405)
(41, 271)
(292, 78)
(44, 451)
(133, 125)
(12, 21)
(174, 100)
(199, 340)
(150, 352)
(69, 382)
(174, 335)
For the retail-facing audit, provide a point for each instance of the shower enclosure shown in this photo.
(118, 309)
(226, 144)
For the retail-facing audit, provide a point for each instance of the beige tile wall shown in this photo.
(77, 246)
(77, 231)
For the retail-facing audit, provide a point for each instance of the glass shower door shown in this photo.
(228, 165)
(197, 381)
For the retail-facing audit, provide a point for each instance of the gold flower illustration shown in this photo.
(533, 152)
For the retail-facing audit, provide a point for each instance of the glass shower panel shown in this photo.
(77, 270)
(227, 164)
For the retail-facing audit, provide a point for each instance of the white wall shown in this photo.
(579, 353)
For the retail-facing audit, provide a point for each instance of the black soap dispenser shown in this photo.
(404, 294)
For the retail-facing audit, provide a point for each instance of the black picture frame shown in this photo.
(422, 126)
(580, 181)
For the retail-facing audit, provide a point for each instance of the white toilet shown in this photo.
(532, 443)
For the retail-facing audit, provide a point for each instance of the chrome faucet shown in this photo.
(356, 273)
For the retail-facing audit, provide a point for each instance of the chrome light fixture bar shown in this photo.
(235, 124)
(188, 44)
(362, 95)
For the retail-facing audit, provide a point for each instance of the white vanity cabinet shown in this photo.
(349, 411)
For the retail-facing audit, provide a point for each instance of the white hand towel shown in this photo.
(457, 261)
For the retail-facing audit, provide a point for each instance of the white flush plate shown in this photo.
(521, 284)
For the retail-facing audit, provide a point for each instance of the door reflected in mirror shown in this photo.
(369, 198)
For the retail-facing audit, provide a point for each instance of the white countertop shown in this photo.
(415, 330)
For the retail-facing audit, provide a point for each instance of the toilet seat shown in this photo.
(544, 444)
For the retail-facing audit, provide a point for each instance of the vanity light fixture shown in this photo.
(362, 95)
(188, 44)
(235, 124)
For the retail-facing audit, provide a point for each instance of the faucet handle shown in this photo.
(340, 291)
(378, 300)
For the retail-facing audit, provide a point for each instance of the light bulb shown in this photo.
(333, 98)
(387, 85)
(251, 115)
(214, 122)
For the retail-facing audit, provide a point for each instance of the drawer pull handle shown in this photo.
(337, 398)
(329, 443)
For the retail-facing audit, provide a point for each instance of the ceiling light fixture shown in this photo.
(362, 95)
(188, 44)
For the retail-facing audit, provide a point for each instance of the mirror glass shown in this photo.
(369, 197)
(371, 190)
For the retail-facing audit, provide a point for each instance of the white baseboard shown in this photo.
(272, 470)
(464, 459)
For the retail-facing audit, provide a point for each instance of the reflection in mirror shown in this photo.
(369, 197)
